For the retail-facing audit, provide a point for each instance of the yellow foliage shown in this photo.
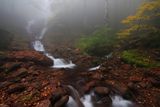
(152, 8)
(139, 21)
(136, 28)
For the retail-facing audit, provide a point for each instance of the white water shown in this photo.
(37, 44)
(86, 102)
(94, 68)
(58, 62)
(118, 101)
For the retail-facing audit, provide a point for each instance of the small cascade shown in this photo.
(94, 68)
(75, 96)
(58, 62)
(38, 46)
(87, 101)
(76, 101)
(118, 101)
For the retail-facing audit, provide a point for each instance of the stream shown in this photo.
(57, 62)
(86, 100)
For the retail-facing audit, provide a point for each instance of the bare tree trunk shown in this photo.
(106, 17)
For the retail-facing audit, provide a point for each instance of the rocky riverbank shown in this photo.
(27, 80)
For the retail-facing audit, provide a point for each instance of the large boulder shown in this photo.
(101, 90)
(31, 56)
(16, 88)
(8, 67)
(63, 101)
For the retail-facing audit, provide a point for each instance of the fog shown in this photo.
(44, 16)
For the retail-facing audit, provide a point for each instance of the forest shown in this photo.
(80, 53)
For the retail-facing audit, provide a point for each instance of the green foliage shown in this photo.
(5, 40)
(135, 58)
(99, 43)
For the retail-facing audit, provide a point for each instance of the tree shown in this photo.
(145, 22)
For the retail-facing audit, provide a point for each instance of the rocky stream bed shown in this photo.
(27, 80)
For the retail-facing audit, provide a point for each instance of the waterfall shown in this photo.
(43, 33)
(58, 62)
(37, 44)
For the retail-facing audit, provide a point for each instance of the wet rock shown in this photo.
(55, 97)
(28, 56)
(97, 76)
(16, 89)
(106, 100)
(89, 86)
(101, 90)
(44, 103)
(21, 73)
(2, 79)
(155, 82)
(136, 78)
(3, 105)
(145, 85)
(63, 101)
(5, 84)
(61, 91)
(12, 66)
(157, 100)
(122, 89)
(126, 67)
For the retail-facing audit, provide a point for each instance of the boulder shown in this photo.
(155, 82)
(55, 97)
(97, 76)
(89, 86)
(101, 90)
(3, 105)
(63, 101)
(16, 89)
(136, 78)
(21, 73)
(11, 66)
(34, 56)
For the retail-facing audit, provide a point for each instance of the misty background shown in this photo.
(63, 17)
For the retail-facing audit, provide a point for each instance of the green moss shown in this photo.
(138, 59)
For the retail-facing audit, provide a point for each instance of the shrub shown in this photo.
(99, 43)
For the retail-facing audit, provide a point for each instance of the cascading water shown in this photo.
(94, 68)
(37, 44)
(58, 62)
(118, 101)
(86, 101)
